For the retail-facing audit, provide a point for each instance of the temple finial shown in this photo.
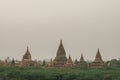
(61, 41)
(27, 47)
(82, 54)
(98, 55)
(69, 56)
(98, 49)
(82, 58)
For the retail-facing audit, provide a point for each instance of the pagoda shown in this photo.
(69, 62)
(27, 59)
(27, 55)
(82, 63)
(98, 62)
(82, 59)
(60, 59)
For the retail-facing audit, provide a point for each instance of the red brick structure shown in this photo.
(98, 62)
(27, 59)
(82, 59)
(69, 62)
(60, 59)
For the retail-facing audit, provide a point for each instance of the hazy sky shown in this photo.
(83, 25)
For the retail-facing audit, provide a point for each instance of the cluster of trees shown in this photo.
(111, 71)
(114, 63)
(31, 73)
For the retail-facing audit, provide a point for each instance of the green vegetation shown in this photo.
(31, 73)
(111, 71)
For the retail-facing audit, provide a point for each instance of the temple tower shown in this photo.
(98, 62)
(27, 59)
(60, 58)
(27, 55)
(82, 59)
(82, 63)
(69, 62)
(98, 56)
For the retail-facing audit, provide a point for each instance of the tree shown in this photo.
(115, 63)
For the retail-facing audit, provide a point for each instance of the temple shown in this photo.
(27, 55)
(69, 62)
(98, 62)
(82, 59)
(60, 59)
(27, 59)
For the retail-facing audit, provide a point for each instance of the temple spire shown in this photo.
(60, 58)
(27, 55)
(98, 55)
(27, 49)
(82, 58)
(69, 62)
(98, 62)
(61, 41)
(69, 56)
(61, 50)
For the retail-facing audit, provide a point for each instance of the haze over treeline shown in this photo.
(83, 25)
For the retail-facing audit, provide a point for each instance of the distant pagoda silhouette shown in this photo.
(27, 55)
(27, 59)
(98, 62)
(82, 59)
(60, 59)
(69, 62)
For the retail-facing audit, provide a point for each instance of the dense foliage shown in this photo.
(31, 73)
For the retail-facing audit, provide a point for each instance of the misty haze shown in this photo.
(84, 26)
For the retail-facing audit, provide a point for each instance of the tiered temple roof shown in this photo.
(82, 59)
(60, 58)
(69, 62)
(27, 55)
(98, 62)
(27, 59)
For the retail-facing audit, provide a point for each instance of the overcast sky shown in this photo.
(83, 25)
